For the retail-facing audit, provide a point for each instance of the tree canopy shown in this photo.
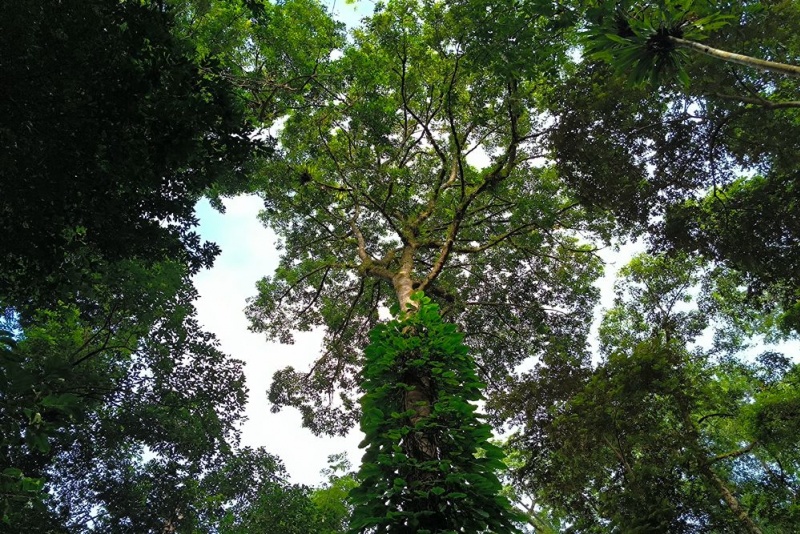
(91, 170)
(374, 196)
(114, 400)
(665, 434)
(441, 179)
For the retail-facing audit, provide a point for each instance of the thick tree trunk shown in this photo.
(731, 500)
(760, 64)
(402, 282)
(420, 398)
(708, 473)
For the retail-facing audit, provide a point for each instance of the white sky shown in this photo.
(248, 254)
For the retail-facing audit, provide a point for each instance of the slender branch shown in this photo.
(386, 216)
(733, 454)
(324, 227)
(317, 292)
(289, 289)
(760, 64)
(97, 351)
(708, 416)
(106, 326)
(342, 328)
(494, 241)
(621, 457)
(764, 103)
(426, 128)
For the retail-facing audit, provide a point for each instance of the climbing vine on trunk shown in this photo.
(429, 465)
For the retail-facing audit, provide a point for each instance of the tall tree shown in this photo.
(414, 169)
(374, 197)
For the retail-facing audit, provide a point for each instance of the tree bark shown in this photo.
(764, 103)
(760, 64)
(704, 467)
(402, 282)
(421, 396)
(731, 500)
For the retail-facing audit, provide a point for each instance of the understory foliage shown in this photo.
(429, 467)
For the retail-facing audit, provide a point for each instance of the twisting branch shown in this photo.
(362, 243)
(733, 454)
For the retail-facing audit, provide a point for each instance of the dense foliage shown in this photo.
(91, 170)
(668, 433)
(700, 160)
(114, 400)
(428, 466)
(479, 151)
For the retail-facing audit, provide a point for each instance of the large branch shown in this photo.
(499, 172)
(363, 255)
(730, 499)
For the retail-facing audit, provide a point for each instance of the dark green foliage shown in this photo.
(600, 143)
(250, 493)
(429, 465)
(17, 489)
(664, 435)
(114, 400)
(635, 36)
(766, 209)
(84, 395)
(110, 132)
